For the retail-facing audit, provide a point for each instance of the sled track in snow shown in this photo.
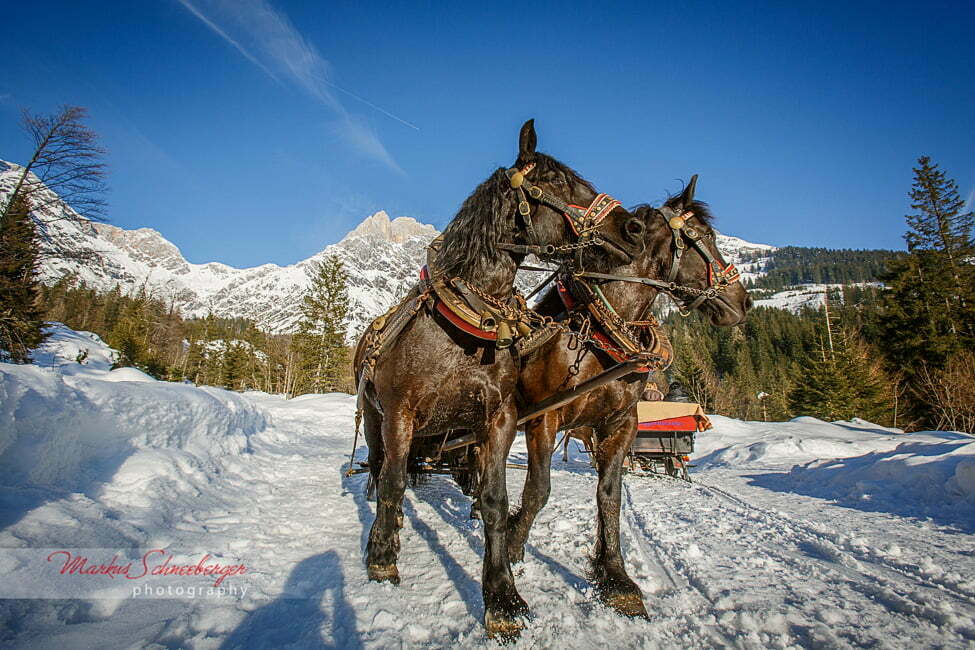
(882, 584)
(834, 545)
(839, 565)
(671, 568)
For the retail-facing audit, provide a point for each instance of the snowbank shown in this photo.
(736, 443)
(74, 427)
(930, 476)
(74, 352)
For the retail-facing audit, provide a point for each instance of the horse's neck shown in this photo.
(498, 281)
(631, 301)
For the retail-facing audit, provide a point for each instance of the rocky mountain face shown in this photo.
(381, 255)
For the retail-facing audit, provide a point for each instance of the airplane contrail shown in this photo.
(368, 103)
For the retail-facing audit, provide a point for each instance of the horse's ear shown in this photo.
(527, 141)
(687, 196)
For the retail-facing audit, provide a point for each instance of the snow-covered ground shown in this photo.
(795, 534)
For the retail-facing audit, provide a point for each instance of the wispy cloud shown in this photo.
(358, 135)
(268, 39)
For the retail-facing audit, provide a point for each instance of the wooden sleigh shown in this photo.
(664, 438)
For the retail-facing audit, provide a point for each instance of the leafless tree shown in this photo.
(950, 392)
(66, 160)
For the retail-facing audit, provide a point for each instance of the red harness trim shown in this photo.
(456, 320)
(730, 273)
(462, 324)
(603, 342)
(600, 207)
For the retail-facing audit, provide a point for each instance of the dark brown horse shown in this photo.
(611, 409)
(433, 377)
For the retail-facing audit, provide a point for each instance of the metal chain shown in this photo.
(524, 313)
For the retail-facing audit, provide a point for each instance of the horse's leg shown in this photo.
(540, 437)
(503, 607)
(615, 588)
(383, 547)
(372, 422)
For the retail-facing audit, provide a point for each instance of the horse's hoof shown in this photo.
(502, 627)
(384, 573)
(627, 604)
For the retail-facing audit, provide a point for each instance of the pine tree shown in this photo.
(843, 384)
(233, 366)
(927, 313)
(21, 323)
(940, 226)
(939, 223)
(320, 340)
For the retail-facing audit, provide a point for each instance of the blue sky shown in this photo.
(252, 131)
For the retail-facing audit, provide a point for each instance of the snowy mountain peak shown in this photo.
(144, 244)
(394, 231)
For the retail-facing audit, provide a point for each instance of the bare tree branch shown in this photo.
(67, 161)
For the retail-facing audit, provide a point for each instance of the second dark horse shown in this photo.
(682, 225)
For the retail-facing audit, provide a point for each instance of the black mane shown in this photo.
(469, 249)
(545, 164)
(470, 240)
(700, 209)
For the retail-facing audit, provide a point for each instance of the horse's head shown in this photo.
(557, 208)
(681, 249)
(538, 206)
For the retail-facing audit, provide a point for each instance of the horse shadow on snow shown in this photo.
(296, 617)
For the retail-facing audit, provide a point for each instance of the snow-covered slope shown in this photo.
(750, 259)
(382, 257)
(805, 296)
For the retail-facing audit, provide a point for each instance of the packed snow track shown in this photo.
(746, 556)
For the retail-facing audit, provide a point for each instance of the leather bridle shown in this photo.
(720, 277)
(584, 221)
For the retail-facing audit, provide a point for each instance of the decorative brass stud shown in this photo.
(517, 179)
(677, 222)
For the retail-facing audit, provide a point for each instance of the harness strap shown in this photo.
(610, 338)
(581, 220)
(719, 277)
